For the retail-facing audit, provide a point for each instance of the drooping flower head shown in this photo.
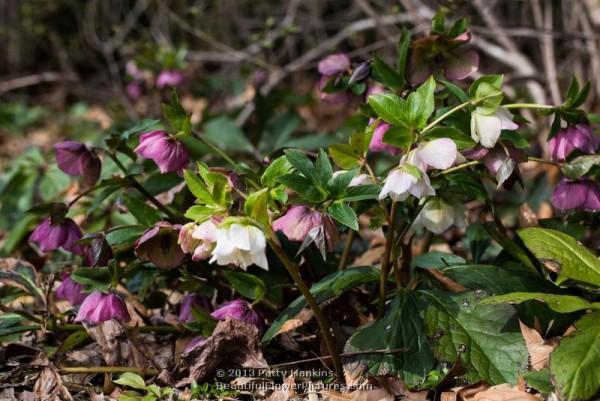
(190, 302)
(99, 307)
(97, 251)
(240, 310)
(159, 246)
(566, 140)
(486, 128)
(437, 216)
(377, 144)
(167, 152)
(331, 69)
(502, 161)
(70, 291)
(75, 159)
(64, 234)
(240, 244)
(578, 194)
(199, 239)
(406, 180)
(169, 78)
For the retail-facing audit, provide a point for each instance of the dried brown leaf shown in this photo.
(297, 321)
(49, 386)
(538, 348)
(108, 335)
(504, 392)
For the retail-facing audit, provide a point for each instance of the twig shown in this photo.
(385, 261)
(347, 249)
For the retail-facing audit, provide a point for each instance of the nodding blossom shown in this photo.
(159, 246)
(65, 234)
(240, 310)
(70, 291)
(168, 153)
(486, 128)
(198, 239)
(574, 137)
(99, 307)
(74, 158)
(241, 245)
(577, 194)
(437, 216)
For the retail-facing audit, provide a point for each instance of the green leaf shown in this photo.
(361, 192)
(277, 168)
(574, 363)
(174, 113)
(456, 91)
(198, 188)
(24, 274)
(200, 213)
(402, 53)
(340, 182)
(558, 303)
(401, 327)
(579, 166)
(462, 140)
(400, 137)
(562, 254)
(255, 206)
(302, 163)
(223, 132)
(93, 278)
(145, 214)
(302, 187)
(486, 338)
(323, 169)
(436, 260)
(73, 340)
(129, 396)
(422, 109)
(331, 286)
(513, 137)
(344, 214)
(385, 74)
(132, 380)
(539, 380)
(389, 107)
(122, 237)
(344, 156)
(246, 284)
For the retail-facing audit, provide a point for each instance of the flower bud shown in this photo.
(198, 239)
(169, 78)
(437, 216)
(334, 64)
(240, 310)
(98, 307)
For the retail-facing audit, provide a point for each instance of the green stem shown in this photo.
(324, 325)
(528, 106)
(84, 193)
(385, 261)
(107, 369)
(459, 167)
(142, 329)
(447, 114)
(539, 160)
(347, 248)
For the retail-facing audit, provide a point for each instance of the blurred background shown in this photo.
(246, 69)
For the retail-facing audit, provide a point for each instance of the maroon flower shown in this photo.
(169, 78)
(98, 307)
(74, 158)
(334, 64)
(566, 140)
(377, 144)
(190, 302)
(70, 291)
(502, 161)
(97, 252)
(159, 245)
(134, 90)
(50, 236)
(580, 194)
(167, 152)
(301, 222)
(240, 310)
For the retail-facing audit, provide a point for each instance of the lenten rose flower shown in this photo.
(486, 129)
(502, 161)
(74, 158)
(437, 216)
(578, 194)
(99, 307)
(50, 236)
(406, 180)
(566, 140)
(169, 78)
(238, 309)
(190, 302)
(304, 224)
(70, 291)
(334, 64)
(199, 239)
(159, 246)
(167, 152)
(377, 144)
(242, 245)
(439, 154)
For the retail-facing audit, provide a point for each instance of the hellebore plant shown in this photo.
(415, 169)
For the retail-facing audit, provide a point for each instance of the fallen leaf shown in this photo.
(504, 392)
(299, 320)
(109, 336)
(49, 386)
(286, 392)
(538, 348)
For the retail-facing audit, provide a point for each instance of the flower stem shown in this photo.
(539, 160)
(528, 106)
(347, 248)
(459, 167)
(165, 329)
(84, 193)
(324, 325)
(385, 261)
(106, 369)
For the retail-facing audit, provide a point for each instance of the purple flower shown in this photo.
(97, 252)
(70, 291)
(301, 222)
(566, 140)
(134, 90)
(159, 245)
(377, 144)
(50, 236)
(98, 307)
(502, 161)
(134, 71)
(167, 152)
(190, 302)
(169, 78)
(74, 158)
(580, 194)
(194, 342)
(240, 310)
(334, 64)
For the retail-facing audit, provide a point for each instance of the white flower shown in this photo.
(437, 216)
(361, 179)
(241, 245)
(406, 180)
(486, 129)
(439, 153)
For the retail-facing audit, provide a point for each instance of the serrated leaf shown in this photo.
(385, 74)
(389, 107)
(344, 214)
(562, 254)
(132, 380)
(574, 363)
(402, 53)
(93, 278)
(486, 338)
(344, 156)
(255, 206)
(400, 137)
(246, 284)
(340, 182)
(556, 302)
(145, 214)
(323, 169)
(400, 328)
(361, 192)
(302, 163)
(276, 169)
(198, 188)
(302, 187)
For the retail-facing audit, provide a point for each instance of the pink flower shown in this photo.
(199, 239)
(97, 252)
(580, 194)
(566, 140)
(167, 152)
(240, 310)
(169, 78)
(377, 144)
(334, 64)
(159, 245)
(502, 161)
(50, 236)
(190, 302)
(74, 158)
(134, 90)
(300, 223)
(98, 307)
(70, 291)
